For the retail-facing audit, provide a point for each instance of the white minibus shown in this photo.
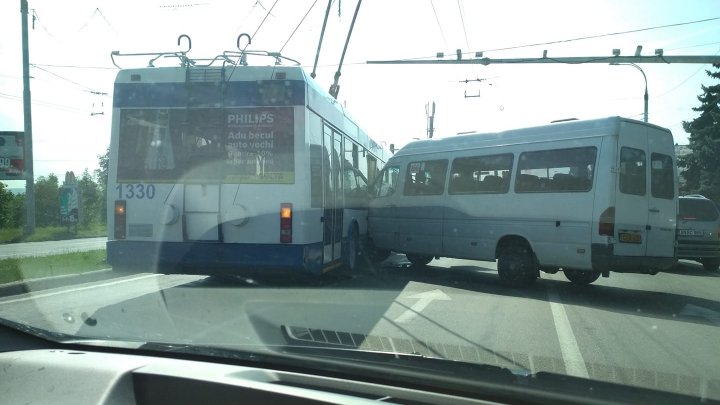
(585, 197)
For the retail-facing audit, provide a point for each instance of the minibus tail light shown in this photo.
(120, 219)
(606, 225)
(286, 223)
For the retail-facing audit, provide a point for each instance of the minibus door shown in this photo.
(662, 211)
(631, 196)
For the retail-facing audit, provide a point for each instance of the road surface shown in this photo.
(653, 331)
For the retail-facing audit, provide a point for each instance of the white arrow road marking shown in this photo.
(696, 310)
(424, 299)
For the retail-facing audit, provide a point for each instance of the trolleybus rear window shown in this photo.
(234, 145)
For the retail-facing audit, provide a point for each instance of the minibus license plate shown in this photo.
(630, 237)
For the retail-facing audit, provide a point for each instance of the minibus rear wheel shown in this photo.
(419, 260)
(711, 264)
(516, 266)
(580, 276)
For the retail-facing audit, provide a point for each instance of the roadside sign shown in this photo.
(12, 155)
(69, 200)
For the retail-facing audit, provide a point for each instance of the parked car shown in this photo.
(698, 231)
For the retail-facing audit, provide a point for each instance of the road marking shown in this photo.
(50, 294)
(574, 362)
(696, 310)
(424, 299)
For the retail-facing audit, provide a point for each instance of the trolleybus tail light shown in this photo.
(285, 223)
(606, 226)
(120, 219)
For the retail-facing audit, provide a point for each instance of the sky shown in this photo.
(72, 74)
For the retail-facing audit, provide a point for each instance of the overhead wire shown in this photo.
(684, 81)
(85, 88)
(45, 103)
(36, 18)
(298, 26)
(462, 19)
(263, 21)
(692, 46)
(607, 34)
(242, 21)
(473, 68)
(74, 66)
(242, 52)
(442, 33)
(100, 13)
(584, 37)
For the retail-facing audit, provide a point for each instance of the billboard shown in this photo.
(12, 155)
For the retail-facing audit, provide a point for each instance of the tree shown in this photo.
(47, 201)
(18, 211)
(89, 198)
(702, 174)
(101, 175)
(12, 208)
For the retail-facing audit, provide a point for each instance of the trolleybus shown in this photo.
(218, 168)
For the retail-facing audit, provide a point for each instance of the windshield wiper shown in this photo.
(364, 345)
(466, 373)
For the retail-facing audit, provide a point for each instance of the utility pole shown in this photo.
(430, 114)
(28, 145)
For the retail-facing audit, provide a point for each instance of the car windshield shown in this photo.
(698, 209)
(495, 183)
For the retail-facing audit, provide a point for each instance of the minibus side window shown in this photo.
(481, 174)
(633, 176)
(556, 171)
(662, 183)
(426, 177)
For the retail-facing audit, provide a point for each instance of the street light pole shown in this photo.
(646, 85)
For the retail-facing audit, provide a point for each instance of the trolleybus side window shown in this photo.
(481, 174)
(426, 177)
(556, 171)
(661, 176)
(633, 175)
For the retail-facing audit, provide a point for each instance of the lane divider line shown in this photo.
(574, 362)
(50, 294)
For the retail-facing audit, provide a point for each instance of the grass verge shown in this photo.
(25, 268)
(52, 233)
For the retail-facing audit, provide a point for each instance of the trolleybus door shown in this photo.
(333, 197)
